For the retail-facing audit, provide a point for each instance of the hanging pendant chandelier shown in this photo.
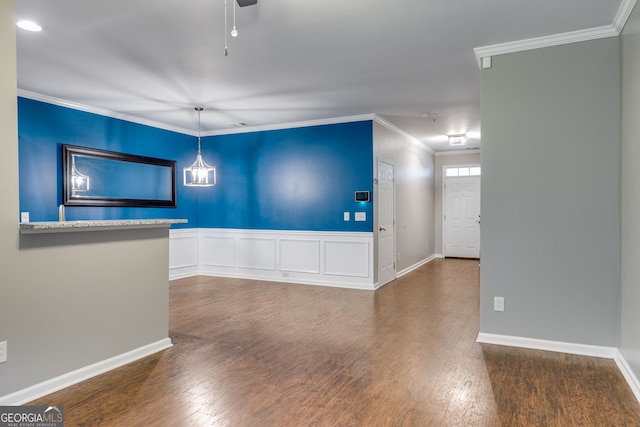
(199, 174)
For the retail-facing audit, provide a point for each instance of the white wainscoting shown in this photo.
(183, 253)
(307, 257)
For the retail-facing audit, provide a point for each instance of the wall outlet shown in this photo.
(24, 216)
(498, 303)
(346, 216)
(3, 351)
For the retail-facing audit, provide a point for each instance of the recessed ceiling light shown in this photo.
(29, 25)
(458, 139)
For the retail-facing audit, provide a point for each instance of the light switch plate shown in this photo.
(346, 216)
(361, 216)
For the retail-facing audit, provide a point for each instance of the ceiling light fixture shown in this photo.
(29, 25)
(199, 174)
(458, 139)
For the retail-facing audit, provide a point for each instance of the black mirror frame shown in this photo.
(68, 151)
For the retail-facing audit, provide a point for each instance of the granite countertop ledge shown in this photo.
(95, 225)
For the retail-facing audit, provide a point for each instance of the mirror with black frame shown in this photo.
(93, 177)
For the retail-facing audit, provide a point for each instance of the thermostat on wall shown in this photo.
(362, 196)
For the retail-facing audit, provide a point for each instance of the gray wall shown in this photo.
(445, 159)
(550, 193)
(630, 243)
(73, 299)
(414, 169)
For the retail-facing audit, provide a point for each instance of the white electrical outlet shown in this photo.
(346, 216)
(498, 303)
(3, 351)
(24, 216)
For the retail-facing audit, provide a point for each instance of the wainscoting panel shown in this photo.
(346, 258)
(183, 253)
(256, 253)
(217, 251)
(301, 256)
(305, 257)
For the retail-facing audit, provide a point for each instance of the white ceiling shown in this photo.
(294, 60)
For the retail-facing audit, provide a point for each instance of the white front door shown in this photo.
(386, 221)
(462, 217)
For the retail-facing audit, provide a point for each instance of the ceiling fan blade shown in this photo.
(243, 3)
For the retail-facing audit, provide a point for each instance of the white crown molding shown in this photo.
(458, 152)
(545, 41)
(624, 11)
(303, 124)
(399, 131)
(101, 112)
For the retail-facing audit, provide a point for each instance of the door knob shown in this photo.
(383, 229)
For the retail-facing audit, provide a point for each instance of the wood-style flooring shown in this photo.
(252, 353)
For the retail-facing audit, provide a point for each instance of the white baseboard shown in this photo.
(54, 384)
(415, 266)
(562, 347)
(438, 256)
(628, 374)
(557, 346)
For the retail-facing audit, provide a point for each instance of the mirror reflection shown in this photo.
(105, 178)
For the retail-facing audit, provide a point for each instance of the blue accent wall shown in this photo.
(42, 130)
(291, 179)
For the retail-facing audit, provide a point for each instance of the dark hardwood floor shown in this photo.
(251, 353)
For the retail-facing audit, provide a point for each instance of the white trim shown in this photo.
(54, 384)
(458, 152)
(439, 256)
(624, 11)
(292, 125)
(220, 252)
(545, 41)
(556, 346)
(102, 112)
(628, 374)
(133, 119)
(399, 131)
(415, 266)
(622, 15)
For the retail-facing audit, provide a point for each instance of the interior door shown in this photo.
(462, 217)
(386, 223)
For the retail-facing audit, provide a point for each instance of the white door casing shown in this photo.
(462, 217)
(386, 223)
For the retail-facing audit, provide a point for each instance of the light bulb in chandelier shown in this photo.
(234, 32)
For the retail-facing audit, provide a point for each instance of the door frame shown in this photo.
(376, 218)
(444, 198)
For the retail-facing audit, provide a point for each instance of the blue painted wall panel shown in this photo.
(291, 179)
(42, 130)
